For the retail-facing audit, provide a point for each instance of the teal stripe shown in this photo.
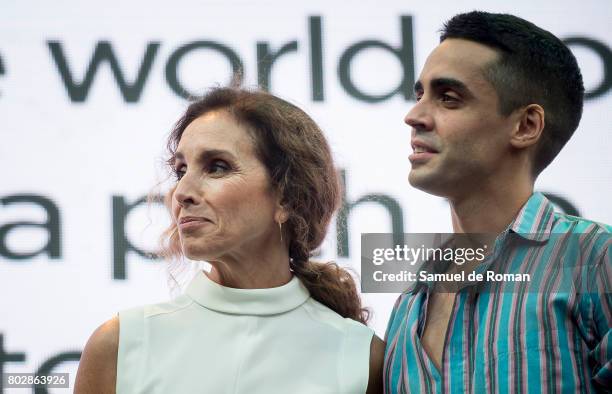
(518, 324)
(492, 343)
(418, 351)
(549, 327)
(519, 342)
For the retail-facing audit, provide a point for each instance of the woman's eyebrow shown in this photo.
(205, 154)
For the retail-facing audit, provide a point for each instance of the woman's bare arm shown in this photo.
(377, 356)
(97, 371)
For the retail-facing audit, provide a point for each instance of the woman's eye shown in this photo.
(215, 167)
(179, 173)
(218, 167)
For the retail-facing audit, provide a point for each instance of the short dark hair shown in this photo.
(534, 67)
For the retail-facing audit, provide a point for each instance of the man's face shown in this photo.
(459, 138)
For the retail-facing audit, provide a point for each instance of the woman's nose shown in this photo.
(185, 193)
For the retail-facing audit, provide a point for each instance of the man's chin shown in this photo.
(419, 178)
(425, 181)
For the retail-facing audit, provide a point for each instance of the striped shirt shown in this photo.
(554, 340)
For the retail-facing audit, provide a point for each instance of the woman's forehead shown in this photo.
(215, 130)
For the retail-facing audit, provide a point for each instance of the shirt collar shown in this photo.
(534, 222)
(270, 301)
(535, 219)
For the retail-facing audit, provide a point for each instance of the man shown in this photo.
(496, 102)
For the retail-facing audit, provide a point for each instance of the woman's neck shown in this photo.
(253, 270)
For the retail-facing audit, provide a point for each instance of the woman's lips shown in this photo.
(191, 222)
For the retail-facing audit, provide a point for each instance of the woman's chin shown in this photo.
(196, 253)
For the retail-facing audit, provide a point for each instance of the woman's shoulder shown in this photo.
(325, 315)
(161, 308)
(362, 351)
(100, 357)
(104, 339)
(98, 365)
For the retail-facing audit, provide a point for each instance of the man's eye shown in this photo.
(418, 96)
(448, 98)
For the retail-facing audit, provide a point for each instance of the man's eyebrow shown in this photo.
(438, 83)
(205, 154)
(452, 83)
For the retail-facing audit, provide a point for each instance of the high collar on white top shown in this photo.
(270, 301)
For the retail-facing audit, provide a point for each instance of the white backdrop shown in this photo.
(78, 152)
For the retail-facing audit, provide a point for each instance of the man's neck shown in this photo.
(488, 210)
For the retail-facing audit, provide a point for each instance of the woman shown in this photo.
(256, 189)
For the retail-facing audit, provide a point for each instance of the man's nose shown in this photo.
(419, 117)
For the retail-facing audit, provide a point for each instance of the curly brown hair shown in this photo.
(299, 163)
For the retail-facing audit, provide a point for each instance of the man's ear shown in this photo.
(529, 128)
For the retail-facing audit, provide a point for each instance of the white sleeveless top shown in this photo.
(215, 339)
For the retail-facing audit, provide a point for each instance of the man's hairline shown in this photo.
(488, 69)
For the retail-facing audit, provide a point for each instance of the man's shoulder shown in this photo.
(404, 302)
(575, 224)
(592, 239)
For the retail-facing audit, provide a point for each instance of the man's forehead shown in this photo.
(458, 59)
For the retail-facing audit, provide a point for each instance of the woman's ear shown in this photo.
(281, 215)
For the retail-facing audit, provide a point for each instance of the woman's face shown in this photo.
(223, 203)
